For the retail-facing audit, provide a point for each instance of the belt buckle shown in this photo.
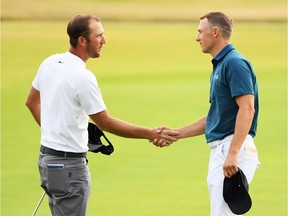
(215, 145)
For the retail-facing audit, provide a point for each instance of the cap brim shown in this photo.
(94, 147)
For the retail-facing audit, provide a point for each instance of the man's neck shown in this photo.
(218, 47)
(78, 53)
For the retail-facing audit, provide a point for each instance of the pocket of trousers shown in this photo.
(224, 148)
(249, 152)
(79, 177)
(57, 180)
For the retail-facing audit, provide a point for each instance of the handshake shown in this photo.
(163, 136)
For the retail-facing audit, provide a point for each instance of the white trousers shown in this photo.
(247, 161)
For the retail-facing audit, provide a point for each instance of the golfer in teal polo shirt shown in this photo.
(231, 123)
(232, 76)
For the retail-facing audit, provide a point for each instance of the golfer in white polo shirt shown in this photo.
(64, 95)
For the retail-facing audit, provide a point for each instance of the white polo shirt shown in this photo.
(69, 93)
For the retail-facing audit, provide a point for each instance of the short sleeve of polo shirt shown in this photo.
(89, 95)
(240, 77)
(35, 82)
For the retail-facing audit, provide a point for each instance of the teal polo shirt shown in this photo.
(232, 76)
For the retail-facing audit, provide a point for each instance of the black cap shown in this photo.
(235, 193)
(95, 144)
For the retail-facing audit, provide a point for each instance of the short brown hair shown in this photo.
(79, 26)
(220, 20)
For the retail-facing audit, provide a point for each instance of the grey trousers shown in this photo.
(67, 182)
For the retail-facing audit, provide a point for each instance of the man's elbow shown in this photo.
(251, 112)
(102, 120)
(29, 104)
(33, 106)
(104, 125)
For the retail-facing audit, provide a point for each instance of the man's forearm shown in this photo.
(121, 128)
(194, 129)
(242, 126)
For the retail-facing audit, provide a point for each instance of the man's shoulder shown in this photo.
(234, 54)
(53, 57)
(234, 58)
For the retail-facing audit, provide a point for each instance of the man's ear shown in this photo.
(216, 32)
(82, 41)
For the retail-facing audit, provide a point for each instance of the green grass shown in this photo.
(156, 10)
(149, 74)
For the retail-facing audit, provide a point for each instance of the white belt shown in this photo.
(216, 143)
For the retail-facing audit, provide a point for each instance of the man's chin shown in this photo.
(204, 51)
(96, 55)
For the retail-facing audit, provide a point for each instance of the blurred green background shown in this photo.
(151, 72)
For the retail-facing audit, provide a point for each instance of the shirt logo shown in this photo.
(216, 77)
(60, 62)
